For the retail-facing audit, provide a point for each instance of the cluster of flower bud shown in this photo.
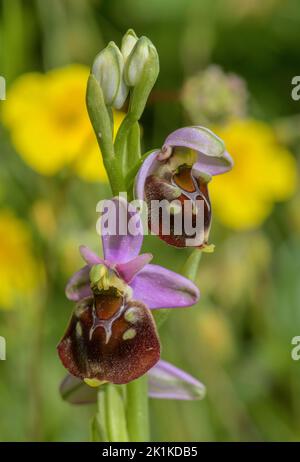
(118, 70)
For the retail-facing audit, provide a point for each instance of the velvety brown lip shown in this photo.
(184, 188)
(111, 339)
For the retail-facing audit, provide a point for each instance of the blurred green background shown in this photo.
(227, 64)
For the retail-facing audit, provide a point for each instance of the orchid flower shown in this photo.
(179, 173)
(165, 381)
(112, 335)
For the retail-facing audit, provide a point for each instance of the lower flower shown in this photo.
(112, 335)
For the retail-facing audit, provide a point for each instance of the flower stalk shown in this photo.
(115, 414)
(102, 125)
(137, 410)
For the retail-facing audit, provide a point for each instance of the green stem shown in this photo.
(110, 421)
(131, 155)
(114, 173)
(137, 410)
(133, 145)
(123, 133)
(99, 430)
(101, 121)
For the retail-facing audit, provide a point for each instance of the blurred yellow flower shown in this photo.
(49, 124)
(264, 172)
(19, 271)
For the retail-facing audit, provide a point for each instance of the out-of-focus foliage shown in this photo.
(238, 339)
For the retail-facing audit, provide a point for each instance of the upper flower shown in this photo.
(112, 335)
(179, 173)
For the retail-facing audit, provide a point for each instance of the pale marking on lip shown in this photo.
(131, 315)
(129, 334)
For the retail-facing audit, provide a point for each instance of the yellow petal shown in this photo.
(264, 172)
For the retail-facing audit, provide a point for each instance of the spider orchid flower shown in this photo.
(165, 381)
(112, 336)
(177, 176)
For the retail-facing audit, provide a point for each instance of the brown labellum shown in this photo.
(110, 339)
(178, 193)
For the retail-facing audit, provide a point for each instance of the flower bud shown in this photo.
(143, 55)
(140, 72)
(108, 71)
(128, 42)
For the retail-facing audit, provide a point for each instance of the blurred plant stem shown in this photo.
(70, 32)
(54, 22)
(35, 432)
(12, 35)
